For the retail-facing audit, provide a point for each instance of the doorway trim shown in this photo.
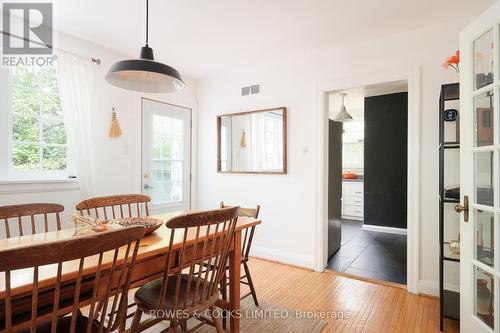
(414, 78)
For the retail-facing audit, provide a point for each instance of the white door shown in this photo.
(479, 174)
(166, 155)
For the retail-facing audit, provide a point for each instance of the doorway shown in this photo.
(367, 197)
(166, 155)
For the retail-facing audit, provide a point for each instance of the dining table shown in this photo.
(149, 264)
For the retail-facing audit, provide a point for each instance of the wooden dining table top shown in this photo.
(150, 245)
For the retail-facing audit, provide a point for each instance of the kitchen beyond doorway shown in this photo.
(367, 199)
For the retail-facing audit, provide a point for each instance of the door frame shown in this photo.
(414, 78)
(190, 182)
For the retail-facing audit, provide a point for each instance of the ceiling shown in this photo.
(204, 37)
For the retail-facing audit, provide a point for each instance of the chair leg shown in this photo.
(184, 325)
(250, 283)
(136, 320)
(223, 286)
(216, 320)
(173, 326)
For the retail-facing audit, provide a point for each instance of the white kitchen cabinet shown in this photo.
(352, 199)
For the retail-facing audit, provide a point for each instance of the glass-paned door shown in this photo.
(166, 133)
(479, 174)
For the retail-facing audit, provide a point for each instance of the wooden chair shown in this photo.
(16, 217)
(180, 294)
(116, 206)
(246, 243)
(44, 308)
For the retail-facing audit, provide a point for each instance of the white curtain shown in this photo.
(77, 102)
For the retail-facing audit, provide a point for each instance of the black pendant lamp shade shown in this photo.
(145, 74)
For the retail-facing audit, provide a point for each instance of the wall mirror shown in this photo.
(252, 142)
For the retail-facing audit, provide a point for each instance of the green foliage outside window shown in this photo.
(38, 132)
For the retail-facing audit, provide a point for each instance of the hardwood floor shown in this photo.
(372, 307)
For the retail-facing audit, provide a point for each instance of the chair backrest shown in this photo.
(116, 206)
(206, 240)
(246, 212)
(246, 242)
(19, 219)
(103, 288)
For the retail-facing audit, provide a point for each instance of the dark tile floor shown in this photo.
(374, 255)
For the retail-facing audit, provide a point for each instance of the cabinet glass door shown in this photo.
(479, 174)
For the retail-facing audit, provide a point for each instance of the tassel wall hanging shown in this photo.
(243, 142)
(115, 130)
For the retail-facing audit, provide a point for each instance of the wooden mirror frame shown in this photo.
(219, 123)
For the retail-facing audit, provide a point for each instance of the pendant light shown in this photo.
(342, 116)
(145, 74)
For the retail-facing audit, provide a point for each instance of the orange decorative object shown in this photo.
(349, 175)
(453, 62)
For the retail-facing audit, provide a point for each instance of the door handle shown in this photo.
(465, 208)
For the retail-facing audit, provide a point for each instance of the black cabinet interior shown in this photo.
(385, 160)
(449, 300)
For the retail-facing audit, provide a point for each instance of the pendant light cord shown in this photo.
(147, 22)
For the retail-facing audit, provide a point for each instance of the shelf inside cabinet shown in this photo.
(449, 145)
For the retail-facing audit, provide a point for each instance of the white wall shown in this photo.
(288, 201)
(118, 160)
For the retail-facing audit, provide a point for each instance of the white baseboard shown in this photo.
(428, 287)
(452, 287)
(389, 230)
(348, 217)
(296, 259)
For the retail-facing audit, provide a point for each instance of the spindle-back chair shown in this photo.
(19, 219)
(111, 256)
(180, 294)
(247, 238)
(116, 206)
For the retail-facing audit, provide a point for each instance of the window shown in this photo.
(168, 160)
(273, 142)
(353, 146)
(35, 137)
(266, 141)
(224, 151)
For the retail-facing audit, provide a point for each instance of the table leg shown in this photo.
(234, 283)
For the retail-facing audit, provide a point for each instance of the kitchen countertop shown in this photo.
(361, 179)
